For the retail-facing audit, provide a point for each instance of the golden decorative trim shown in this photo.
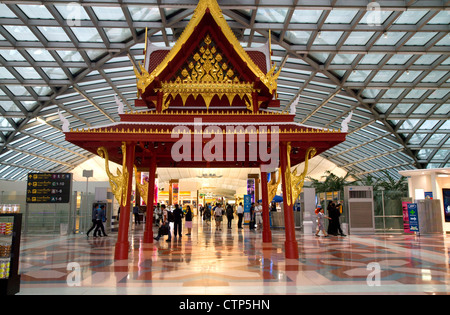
(143, 188)
(119, 182)
(272, 186)
(299, 180)
(287, 175)
(144, 130)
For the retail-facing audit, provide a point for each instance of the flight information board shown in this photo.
(49, 187)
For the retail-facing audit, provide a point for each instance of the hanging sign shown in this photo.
(49, 187)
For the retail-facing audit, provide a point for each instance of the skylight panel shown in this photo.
(17, 90)
(410, 17)
(420, 38)
(327, 38)
(428, 124)
(271, 15)
(383, 76)
(5, 74)
(118, 35)
(298, 37)
(375, 17)
(72, 12)
(54, 34)
(109, 13)
(5, 12)
(140, 13)
(55, 73)
(87, 34)
(434, 76)
(306, 16)
(402, 108)
(21, 33)
(358, 75)
(35, 11)
(40, 55)
(371, 59)
(409, 76)
(442, 17)
(389, 38)
(359, 38)
(70, 55)
(398, 59)
(341, 16)
(436, 138)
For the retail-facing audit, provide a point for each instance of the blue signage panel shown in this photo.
(413, 217)
(247, 205)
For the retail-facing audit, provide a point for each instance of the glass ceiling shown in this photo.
(389, 66)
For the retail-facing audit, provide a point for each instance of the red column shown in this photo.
(291, 246)
(122, 244)
(148, 233)
(267, 234)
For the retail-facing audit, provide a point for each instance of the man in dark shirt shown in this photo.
(178, 215)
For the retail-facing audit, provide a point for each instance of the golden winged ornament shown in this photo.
(297, 181)
(143, 188)
(119, 182)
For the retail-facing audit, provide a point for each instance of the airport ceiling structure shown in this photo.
(386, 62)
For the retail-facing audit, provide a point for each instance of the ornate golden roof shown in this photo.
(144, 78)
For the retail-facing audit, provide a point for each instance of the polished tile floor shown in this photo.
(235, 262)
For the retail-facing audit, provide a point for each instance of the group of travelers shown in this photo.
(334, 226)
(165, 217)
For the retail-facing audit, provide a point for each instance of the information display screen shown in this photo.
(49, 187)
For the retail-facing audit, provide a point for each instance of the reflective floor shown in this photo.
(232, 261)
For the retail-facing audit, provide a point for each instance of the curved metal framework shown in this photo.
(387, 61)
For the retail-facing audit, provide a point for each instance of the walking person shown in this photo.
(188, 219)
(137, 219)
(218, 216)
(320, 221)
(334, 223)
(93, 219)
(240, 213)
(252, 216)
(201, 211)
(258, 216)
(177, 224)
(229, 215)
(100, 217)
(207, 215)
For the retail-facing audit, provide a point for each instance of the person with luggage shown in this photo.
(165, 225)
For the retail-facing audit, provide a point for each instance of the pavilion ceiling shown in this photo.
(390, 69)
